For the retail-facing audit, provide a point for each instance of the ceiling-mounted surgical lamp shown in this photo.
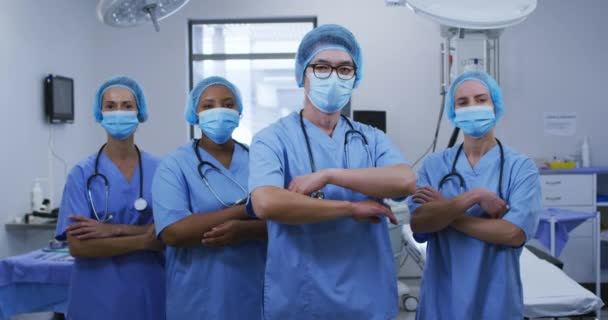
(129, 13)
(474, 14)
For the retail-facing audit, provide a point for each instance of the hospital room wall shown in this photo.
(41, 37)
(560, 41)
(556, 61)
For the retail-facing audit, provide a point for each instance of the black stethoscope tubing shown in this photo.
(352, 131)
(202, 163)
(454, 173)
(140, 203)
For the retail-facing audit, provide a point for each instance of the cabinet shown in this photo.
(573, 190)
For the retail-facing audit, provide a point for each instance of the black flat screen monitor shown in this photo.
(59, 99)
(373, 118)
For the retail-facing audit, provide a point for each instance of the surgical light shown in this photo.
(129, 13)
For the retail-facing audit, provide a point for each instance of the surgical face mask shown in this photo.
(218, 123)
(329, 95)
(119, 124)
(475, 121)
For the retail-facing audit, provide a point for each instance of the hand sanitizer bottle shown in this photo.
(586, 153)
(36, 195)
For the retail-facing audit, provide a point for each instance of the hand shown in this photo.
(371, 211)
(492, 204)
(87, 228)
(226, 234)
(151, 242)
(427, 194)
(309, 183)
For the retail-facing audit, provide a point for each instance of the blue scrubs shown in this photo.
(338, 269)
(128, 286)
(466, 278)
(203, 282)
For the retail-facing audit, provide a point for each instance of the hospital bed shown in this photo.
(548, 291)
(37, 281)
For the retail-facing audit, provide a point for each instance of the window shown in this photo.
(258, 56)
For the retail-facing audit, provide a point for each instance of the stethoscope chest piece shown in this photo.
(140, 204)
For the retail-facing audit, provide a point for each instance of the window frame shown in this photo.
(195, 57)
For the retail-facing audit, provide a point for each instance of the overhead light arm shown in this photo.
(150, 9)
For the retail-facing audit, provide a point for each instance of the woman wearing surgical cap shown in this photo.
(216, 252)
(317, 178)
(476, 206)
(106, 217)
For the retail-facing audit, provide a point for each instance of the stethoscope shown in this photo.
(140, 203)
(202, 163)
(313, 168)
(454, 174)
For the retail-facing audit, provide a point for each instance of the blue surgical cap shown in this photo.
(199, 88)
(485, 79)
(327, 37)
(121, 82)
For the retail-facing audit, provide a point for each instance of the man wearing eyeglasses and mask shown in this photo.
(318, 177)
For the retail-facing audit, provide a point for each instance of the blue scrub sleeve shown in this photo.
(170, 195)
(265, 164)
(525, 199)
(422, 180)
(74, 202)
(387, 153)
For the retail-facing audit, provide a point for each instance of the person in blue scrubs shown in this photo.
(119, 263)
(329, 254)
(474, 215)
(215, 251)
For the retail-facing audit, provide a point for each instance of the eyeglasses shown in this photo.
(323, 71)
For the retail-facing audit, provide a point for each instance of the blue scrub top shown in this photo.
(128, 286)
(466, 278)
(338, 269)
(203, 282)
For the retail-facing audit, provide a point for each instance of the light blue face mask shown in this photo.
(475, 121)
(119, 124)
(218, 123)
(329, 95)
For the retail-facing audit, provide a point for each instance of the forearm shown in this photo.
(123, 230)
(271, 203)
(494, 231)
(254, 230)
(386, 182)
(105, 247)
(189, 231)
(437, 215)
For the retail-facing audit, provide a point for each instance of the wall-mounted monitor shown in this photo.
(373, 118)
(59, 99)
